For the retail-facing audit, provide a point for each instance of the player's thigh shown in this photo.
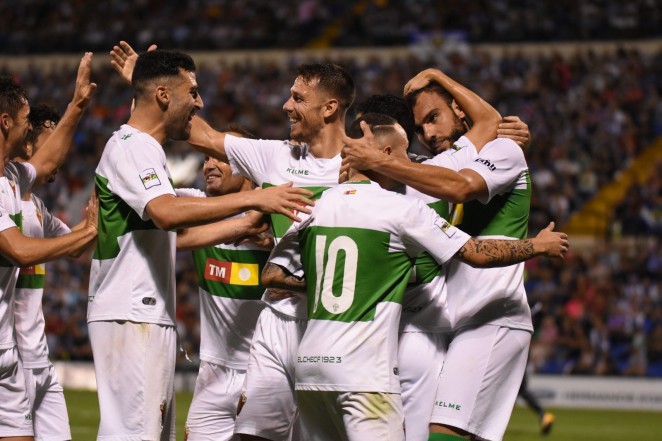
(135, 366)
(420, 358)
(269, 406)
(372, 415)
(213, 410)
(15, 415)
(480, 379)
(49, 410)
(321, 416)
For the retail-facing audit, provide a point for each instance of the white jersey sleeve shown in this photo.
(501, 163)
(143, 177)
(252, 158)
(427, 231)
(23, 173)
(6, 221)
(287, 252)
(189, 193)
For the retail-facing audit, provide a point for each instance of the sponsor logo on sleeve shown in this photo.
(348, 192)
(445, 227)
(486, 163)
(149, 178)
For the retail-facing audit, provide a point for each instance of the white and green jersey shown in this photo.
(490, 295)
(269, 162)
(132, 275)
(18, 179)
(29, 321)
(424, 305)
(357, 250)
(230, 298)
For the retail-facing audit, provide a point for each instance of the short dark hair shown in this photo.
(159, 64)
(432, 87)
(12, 96)
(238, 128)
(39, 114)
(333, 79)
(379, 125)
(393, 106)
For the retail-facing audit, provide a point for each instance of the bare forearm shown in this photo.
(55, 149)
(186, 212)
(440, 182)
(211, 234)
(207, 140)
(26, 251)
(274, 276)
(492, 253)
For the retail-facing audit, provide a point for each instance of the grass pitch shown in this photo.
(570, 424)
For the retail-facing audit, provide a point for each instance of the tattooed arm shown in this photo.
(275, 276)
(491, 253)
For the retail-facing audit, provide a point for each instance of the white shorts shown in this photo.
(351, 416)
(214, 407)
(420, 358)
(15, 415)
(49, 410)
(269, 410)
(480, 380)
(135, 370)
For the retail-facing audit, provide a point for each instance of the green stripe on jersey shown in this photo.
(18, 220)
(31, 281)
(505, 215)
(426, 267)
(349, 271)
(209, 259)
(279, 222)
(116, 219)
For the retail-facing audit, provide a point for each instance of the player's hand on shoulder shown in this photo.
(514, 128)
(284, 199)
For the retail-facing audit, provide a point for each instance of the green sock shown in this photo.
(444, 437)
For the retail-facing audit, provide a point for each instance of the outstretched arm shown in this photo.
(484, 117)
(171, 212)
(491, 253)
(52, 154)
(275, 276)
(229, 230)
(440, 182)
(23, 251)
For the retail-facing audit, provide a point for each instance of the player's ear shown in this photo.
(456, 109)
(162, 95)
(387, 149)
(5, 122)
(331, 107)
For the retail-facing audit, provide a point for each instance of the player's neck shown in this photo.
(146, 123)
(328, 142)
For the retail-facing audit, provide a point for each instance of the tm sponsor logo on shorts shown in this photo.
(319, 359)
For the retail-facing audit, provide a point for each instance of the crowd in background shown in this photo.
(589, 115)
(46, 26)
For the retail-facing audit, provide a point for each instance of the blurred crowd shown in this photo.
(46, 26)
(589, 114)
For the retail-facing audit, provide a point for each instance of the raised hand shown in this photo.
(123, 59)
(514, 128)
(84, 89)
